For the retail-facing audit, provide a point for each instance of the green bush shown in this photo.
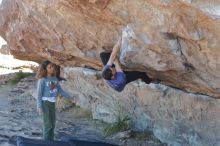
(19, 76)
(121, 124)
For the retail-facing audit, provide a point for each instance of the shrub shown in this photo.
(19, 76)
(121, 124)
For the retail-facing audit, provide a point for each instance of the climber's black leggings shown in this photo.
(130, 75)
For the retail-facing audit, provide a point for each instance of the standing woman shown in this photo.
(48, 88)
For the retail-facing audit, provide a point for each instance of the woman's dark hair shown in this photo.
(42, 71)
(57, 72)
(107, 74)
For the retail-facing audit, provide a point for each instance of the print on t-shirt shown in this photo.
(53, 86)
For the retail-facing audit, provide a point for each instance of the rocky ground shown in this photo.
(18, 117)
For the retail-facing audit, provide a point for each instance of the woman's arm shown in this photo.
(63, 93)
(40, 89)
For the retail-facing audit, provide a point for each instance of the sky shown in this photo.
(10, 61)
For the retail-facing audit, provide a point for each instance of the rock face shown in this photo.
(176, 41)
(174, 116)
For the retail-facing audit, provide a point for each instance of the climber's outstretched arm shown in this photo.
(114, 53)
(117, 65)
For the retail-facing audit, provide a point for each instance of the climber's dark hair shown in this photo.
(107, 74)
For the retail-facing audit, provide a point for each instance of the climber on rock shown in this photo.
(113, 73)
